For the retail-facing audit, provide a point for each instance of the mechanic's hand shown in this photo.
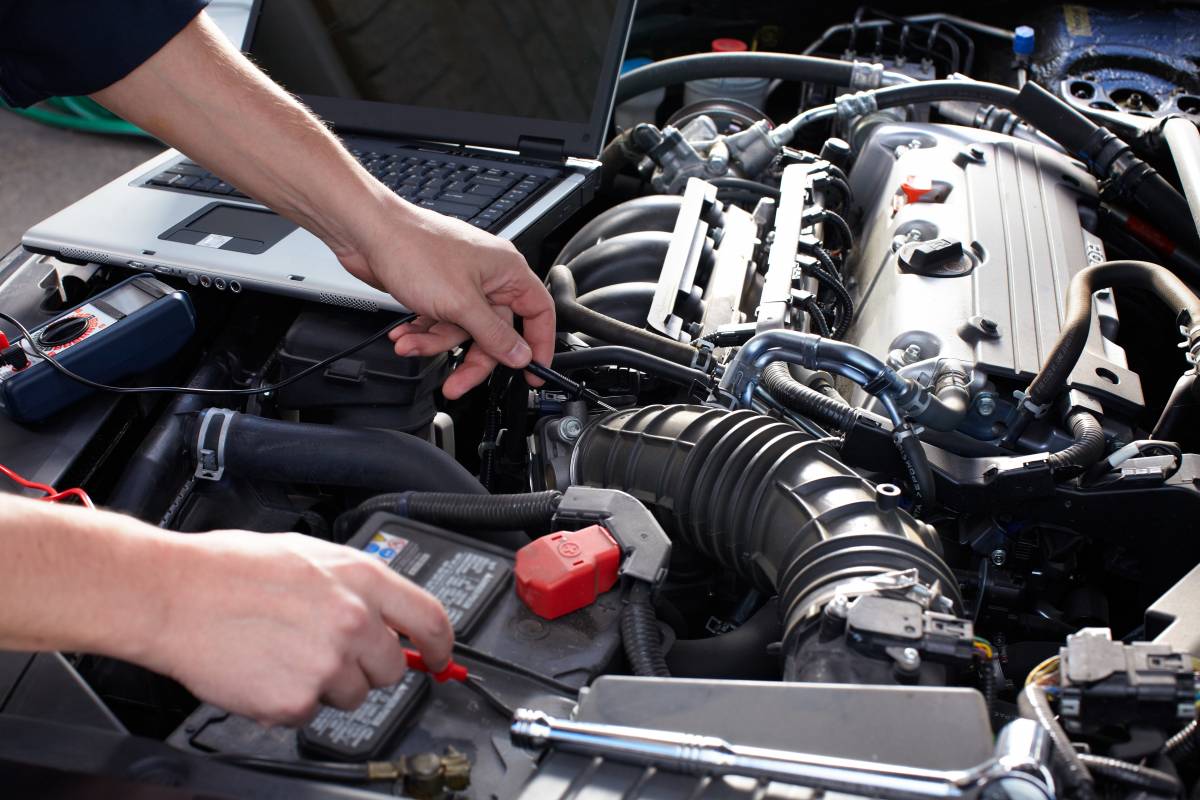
(270, 625)
(464, 283)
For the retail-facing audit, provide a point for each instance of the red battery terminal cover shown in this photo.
(563, 572)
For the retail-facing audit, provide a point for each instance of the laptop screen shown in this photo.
(552, 61)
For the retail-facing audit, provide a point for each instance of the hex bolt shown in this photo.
(999, 556)
(912, 353)
(838, 607)
(909, 659)
(988, 325)
(569, 429)
(986, 405)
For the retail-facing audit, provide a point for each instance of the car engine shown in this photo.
(875, 469)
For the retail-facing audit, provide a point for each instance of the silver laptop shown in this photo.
(491, 111)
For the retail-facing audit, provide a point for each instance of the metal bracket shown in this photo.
(683, 258)
(210, 443)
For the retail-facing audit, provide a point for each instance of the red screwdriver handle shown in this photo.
(452, 672)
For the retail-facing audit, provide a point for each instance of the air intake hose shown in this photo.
(761, 498)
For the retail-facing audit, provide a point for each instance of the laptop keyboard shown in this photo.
(481, 193)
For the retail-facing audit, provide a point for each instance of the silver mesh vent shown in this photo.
(348, 302)
(83, 255)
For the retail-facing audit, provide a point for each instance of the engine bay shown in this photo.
(869, 462)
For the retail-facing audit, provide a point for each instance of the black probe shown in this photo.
(571, 387)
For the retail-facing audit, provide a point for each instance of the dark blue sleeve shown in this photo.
(75, 47)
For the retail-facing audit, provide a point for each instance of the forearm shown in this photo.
(199, 94)
(78, 580)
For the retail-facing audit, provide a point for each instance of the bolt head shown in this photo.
(570, 428)
(989, 325)
(986, 405)
(999, 556)
(912, 353)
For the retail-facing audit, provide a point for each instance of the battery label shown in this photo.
(362, 732)
(464, 579)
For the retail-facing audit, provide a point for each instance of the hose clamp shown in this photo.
(852, 106)
(1026, 405)
(210, 443)
(864, 75)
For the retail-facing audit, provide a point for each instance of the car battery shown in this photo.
(132, 327)
(519, 656)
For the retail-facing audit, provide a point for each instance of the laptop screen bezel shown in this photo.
(578, 139)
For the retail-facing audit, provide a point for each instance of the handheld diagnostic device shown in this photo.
(132, 327)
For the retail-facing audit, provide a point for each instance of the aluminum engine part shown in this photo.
(969, 240)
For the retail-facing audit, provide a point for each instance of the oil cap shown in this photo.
(565, 571)
(936, 258)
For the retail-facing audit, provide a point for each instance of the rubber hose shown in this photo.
(1135, 775)
(641, 636)
(1163, 283)
(920, 474)
(297, 452)
(159, 460)
(741, 654)
(761, 498)
(574, 317)
(656, 212)
(1088, 447)
(701, 66)
(779, 383)
(1032, 704)
(1185, 745)
(612, 355)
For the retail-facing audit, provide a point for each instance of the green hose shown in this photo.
(79, 114)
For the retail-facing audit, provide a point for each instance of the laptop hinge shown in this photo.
(538, 149)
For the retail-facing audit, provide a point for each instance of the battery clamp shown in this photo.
(136, 325)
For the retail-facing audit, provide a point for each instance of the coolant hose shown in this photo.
(778, 381)
(159, 461)
(1183, 140)
(776, 66)
(762, 499)
(611, 355)
(297, 452)
(641, 636)
(494, 517)
(1152, 780)
(1051, 380)
(1032, 704)
(656, 212)
(574, 317)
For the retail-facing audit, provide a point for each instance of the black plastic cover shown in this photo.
(372, 388)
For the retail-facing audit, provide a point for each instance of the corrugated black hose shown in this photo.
(778, 381)
(493, 517)
(1088, 447)
(641, 635)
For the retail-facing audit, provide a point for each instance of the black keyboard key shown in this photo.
(222, 188)
(515, 195)
(484, 190)
(468, 199)
(526, 185)
(493, 180)
(189, 169)
(428, 194)
(205, 184)
(503, 205)
(451, 209)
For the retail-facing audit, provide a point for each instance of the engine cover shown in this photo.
(969, 240)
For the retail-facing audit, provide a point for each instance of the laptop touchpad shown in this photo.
(228, 227)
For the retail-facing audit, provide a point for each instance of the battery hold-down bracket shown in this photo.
(602, 534)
